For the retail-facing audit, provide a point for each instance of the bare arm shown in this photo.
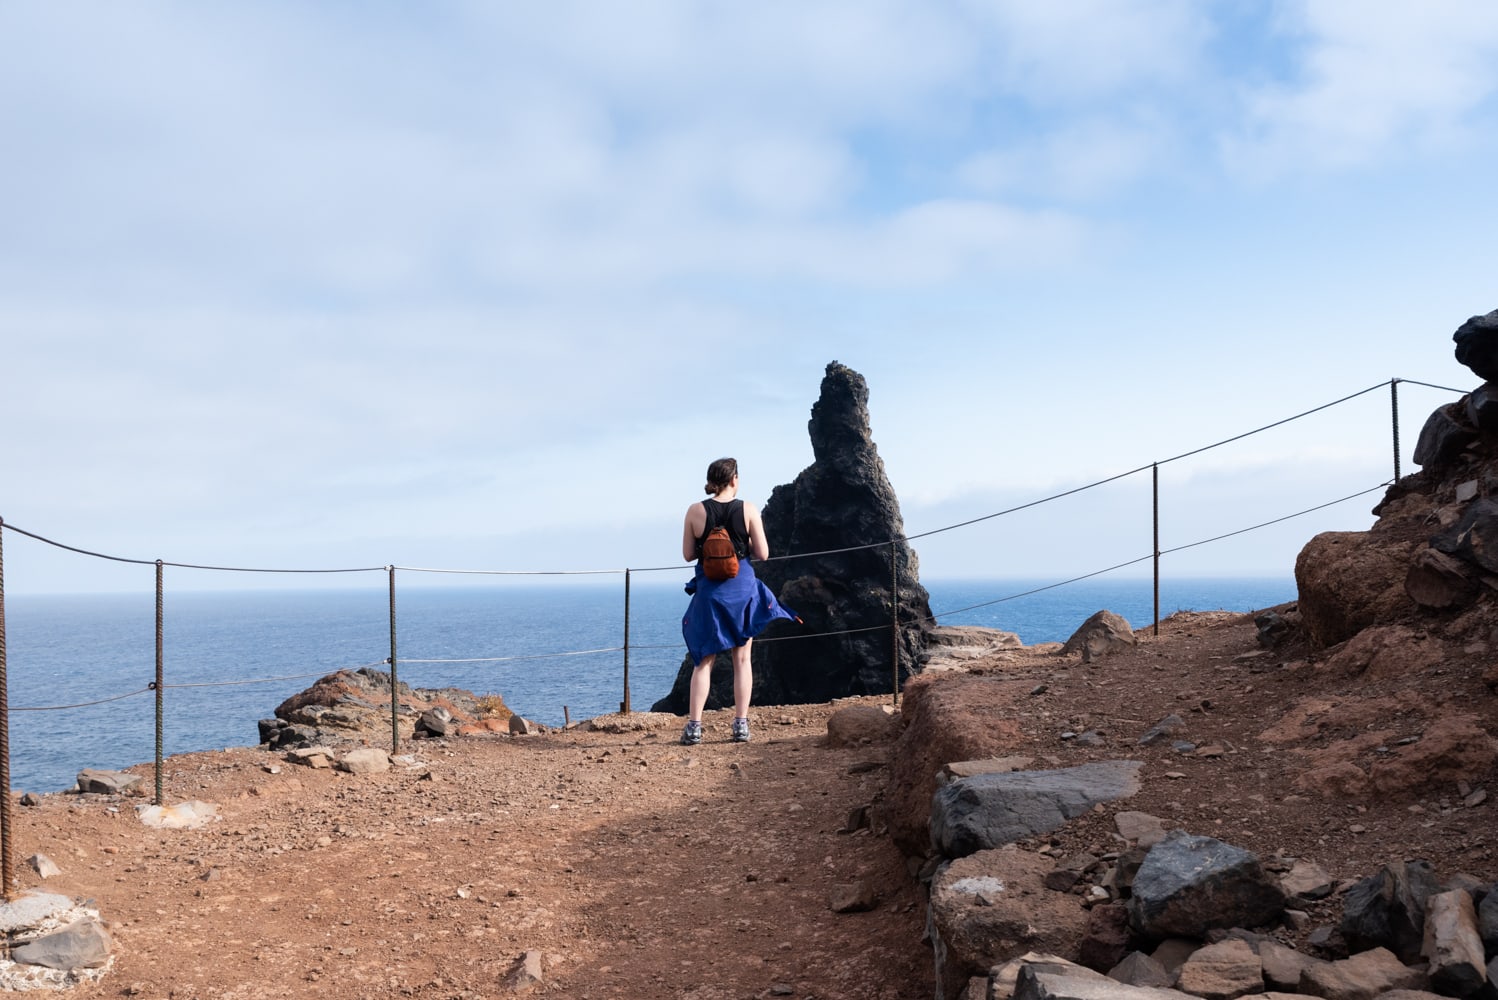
(759, 546)
(691, 529)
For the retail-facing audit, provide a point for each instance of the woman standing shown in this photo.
(725, 614)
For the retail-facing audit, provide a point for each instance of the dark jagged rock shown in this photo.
(1387, 910)
(1475, 537)
(1477, 345)
(842, 501)
(1189, 884)
(1482, 407)
(1445, 436)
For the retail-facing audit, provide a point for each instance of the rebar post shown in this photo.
(624, 706)
(894, 622)
(7, 855)
(160, 670)
(1394, 403)
(395, 729)
(1156, 492)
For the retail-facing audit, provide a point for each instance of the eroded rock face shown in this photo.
(944, 720)
(1348, 580)
(1434, 549)
(842, 501)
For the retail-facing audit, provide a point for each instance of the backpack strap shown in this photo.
(728, 510)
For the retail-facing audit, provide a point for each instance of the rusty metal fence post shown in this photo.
(894, 622)
(7, 856)
(1156, 492)
(624, 705)
(395, 729)
(160, 684)
(1394, 404)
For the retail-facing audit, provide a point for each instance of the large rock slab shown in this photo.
(988, 810)
(98, 782)
(83, 944)
(1188, 885)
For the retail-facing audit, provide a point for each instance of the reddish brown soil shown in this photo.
(642, 869)
(637, 867)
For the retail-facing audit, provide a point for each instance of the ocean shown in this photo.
(81, 667)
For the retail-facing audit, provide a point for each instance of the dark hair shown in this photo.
(720, 474)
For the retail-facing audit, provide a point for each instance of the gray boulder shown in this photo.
(436, 722)
(987, 810)
(1189, 885)
(97, 782)
(1387, 910)
(83, 944)
(1100, 635)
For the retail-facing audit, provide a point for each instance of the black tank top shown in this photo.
(731, 516)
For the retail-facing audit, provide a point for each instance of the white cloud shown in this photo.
(1085, 159)
(1074, 50)
(1374, 80)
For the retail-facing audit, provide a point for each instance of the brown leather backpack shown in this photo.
(719, 561)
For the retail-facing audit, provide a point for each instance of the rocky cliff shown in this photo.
(831, 532)
(1424, 578)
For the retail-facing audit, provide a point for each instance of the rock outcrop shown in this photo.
(355, 706)
(1433, 553)
(830, 533)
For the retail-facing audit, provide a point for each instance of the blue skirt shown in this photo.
(728, 613)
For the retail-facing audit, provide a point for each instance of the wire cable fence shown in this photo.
(159, 686)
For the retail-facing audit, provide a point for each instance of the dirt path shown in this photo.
(636, 867)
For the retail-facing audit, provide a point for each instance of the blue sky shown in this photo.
(335, 284)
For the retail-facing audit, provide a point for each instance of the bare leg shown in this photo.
(702, 679)
(743, 679)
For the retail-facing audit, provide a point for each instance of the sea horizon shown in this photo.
(81, 667)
